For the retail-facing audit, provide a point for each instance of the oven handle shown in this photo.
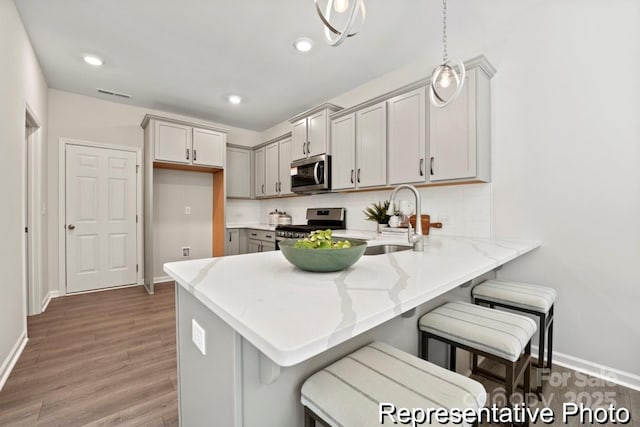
(315, 173)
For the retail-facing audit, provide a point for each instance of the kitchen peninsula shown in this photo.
(266, 325)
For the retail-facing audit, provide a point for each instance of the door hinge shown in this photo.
(26, 229)
(136, 268)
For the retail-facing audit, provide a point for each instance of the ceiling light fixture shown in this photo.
(93, 60)
(450, 71)
(347, 11)
(235, 99)
(303, 44)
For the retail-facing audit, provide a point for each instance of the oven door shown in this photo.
(312, 175)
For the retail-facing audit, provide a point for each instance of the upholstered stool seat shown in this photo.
(497, 335)
(526, 298)
(348, 392)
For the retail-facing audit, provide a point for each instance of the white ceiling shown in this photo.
(184, 56)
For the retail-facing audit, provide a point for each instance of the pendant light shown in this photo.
(351, 11)
(451, 71)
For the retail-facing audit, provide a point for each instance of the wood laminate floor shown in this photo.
(99, 359)
(109, 359)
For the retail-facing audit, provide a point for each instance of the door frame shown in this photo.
(62, 207)
(32, 202)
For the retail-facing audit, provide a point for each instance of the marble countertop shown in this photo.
(254, 226)
(291, 315)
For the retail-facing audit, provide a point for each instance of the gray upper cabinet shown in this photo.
(259, 185)
(172, 142)
(407, 137)
(359, 146)
(238, 172)
(310, 132)
(459, 134)
(208, 147)
(183, 143)
(277, 168)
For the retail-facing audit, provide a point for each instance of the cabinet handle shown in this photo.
(262, 188)
(358, 175)
(268, 236)
(308, 147)
(279, 187)
(432, 162)
(421, 167)
(260, 247)
(254, 235)
(187, 154)
(229, 236)
(304, 145)
(195, 153)
(352, 171)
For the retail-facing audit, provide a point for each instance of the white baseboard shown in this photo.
(162, 279)
(12, 358)
(47, 300)
(625, 379)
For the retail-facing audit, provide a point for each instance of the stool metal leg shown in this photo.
(309, 419)
(550, 339)
(452, 357)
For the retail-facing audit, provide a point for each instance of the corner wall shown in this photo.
(21, 83)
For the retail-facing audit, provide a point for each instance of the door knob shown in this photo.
(71, 227)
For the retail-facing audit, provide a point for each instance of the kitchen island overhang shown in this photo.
(279, 316)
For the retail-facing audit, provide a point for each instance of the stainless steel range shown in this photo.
(317, 219)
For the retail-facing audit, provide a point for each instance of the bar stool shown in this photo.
(525, 298)
(497, 335)
(349, 392)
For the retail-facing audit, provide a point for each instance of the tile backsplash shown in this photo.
(465, 210)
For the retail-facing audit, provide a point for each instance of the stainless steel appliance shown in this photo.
(312, 175)
(317, 219)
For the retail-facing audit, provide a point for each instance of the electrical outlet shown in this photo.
(186, 251)
(199, 336)
(187, 210)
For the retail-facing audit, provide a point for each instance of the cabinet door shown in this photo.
(260, 190)
(208, 147)
(268, 246)
(253, 246)
(317, 133)
(371, 146)
(233, 242)
(238, 172)
(172, 142)
(285, 167)
(343, 149)
(407, 137)
(271, 169)
(299, 140)
(452, 135)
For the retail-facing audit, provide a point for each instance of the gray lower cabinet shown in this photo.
(260, 241)
(233, 242)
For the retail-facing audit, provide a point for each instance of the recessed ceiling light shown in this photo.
(303, 44)
(235, 99)
(93, 60)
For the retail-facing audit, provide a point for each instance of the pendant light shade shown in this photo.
(450, 72)
(346, 15)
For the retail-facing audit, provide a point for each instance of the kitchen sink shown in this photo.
(386, 249)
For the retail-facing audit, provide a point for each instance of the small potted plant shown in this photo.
(378, 212)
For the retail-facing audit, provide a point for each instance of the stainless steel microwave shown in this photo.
(312, 175)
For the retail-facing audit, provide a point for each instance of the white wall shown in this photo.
(91, 119)
(566, 148)
(566, 102)
(21, 83)
(174, 229)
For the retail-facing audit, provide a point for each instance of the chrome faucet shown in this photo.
(415, 238)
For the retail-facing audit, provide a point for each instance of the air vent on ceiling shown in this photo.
(112, 93)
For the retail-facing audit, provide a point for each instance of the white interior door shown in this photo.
(100, 218)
